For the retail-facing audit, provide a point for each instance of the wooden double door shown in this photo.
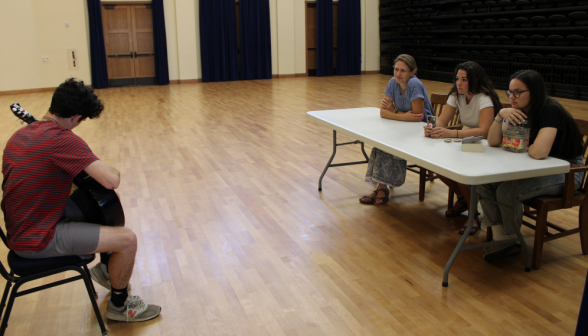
(311, 36)
(128, 40)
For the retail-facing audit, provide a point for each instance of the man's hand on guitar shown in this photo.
(107, 176)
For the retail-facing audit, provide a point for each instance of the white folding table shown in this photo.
(406, 140)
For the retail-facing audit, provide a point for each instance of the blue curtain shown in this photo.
(349, 38)
(582, 327)
(256, 51)
(97, 50)
(324, 48)
(218, 40)
(159, 43)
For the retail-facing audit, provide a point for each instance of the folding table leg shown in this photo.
(320, 186)
(335, 144)
(472, 212)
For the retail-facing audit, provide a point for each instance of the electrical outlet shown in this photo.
(45, 59)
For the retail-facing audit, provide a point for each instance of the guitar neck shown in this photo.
(21, 114)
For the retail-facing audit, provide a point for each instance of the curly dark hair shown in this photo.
(73, 98)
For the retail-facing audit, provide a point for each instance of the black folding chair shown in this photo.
(23, 270)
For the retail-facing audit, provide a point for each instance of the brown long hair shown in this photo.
(478, 82)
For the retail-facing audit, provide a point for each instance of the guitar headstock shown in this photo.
(22, 114)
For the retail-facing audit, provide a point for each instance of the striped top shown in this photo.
(414, 90)
(39, 164)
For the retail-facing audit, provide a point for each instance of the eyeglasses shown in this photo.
(515, 93)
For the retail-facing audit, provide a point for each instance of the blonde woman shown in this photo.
(406, 99)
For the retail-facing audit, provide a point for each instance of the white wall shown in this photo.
(33, 29)
(371, 35)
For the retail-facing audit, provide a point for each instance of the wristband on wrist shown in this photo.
(497, 119)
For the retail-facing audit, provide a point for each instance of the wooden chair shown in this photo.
(570, 198)
(437, 102)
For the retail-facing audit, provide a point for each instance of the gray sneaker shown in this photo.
(101, 276)
(134, 310)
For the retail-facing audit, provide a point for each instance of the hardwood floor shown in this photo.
(219, 181)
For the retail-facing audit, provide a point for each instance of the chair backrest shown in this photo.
(3, 270)
(440, 100)
(506, 105)
(583, 126)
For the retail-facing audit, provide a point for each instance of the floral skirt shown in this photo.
(386, 169)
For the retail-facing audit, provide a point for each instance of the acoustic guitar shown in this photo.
(98, 204)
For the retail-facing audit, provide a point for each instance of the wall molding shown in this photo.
(287, 76)
(185, 81)
(15, 92)
(374, 72)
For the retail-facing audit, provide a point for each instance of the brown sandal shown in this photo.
(454, 213)
(385, 198)
(370, 200)
(475, 228)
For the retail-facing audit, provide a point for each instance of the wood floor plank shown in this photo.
(219, 181)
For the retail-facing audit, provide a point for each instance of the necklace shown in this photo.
(46, 118)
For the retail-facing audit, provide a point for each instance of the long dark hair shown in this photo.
(478, 82)
(571, 144)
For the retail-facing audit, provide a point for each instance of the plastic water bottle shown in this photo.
(515, 138)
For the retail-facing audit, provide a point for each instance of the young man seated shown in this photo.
(39, 164)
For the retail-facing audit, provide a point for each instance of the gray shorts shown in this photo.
(73, 236)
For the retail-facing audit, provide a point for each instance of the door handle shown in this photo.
(121, 55)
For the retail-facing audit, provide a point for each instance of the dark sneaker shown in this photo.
(100, 275)
(496, 252)
(134, 310)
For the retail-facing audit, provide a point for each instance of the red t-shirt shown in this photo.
(39, 164)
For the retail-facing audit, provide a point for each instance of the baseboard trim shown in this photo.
(15, 92)
(304, 74)
(287, 76)
(374, 72)
(190, 81)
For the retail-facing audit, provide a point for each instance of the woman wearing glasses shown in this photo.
(405, 99)
(478, 103)
(553, 132)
